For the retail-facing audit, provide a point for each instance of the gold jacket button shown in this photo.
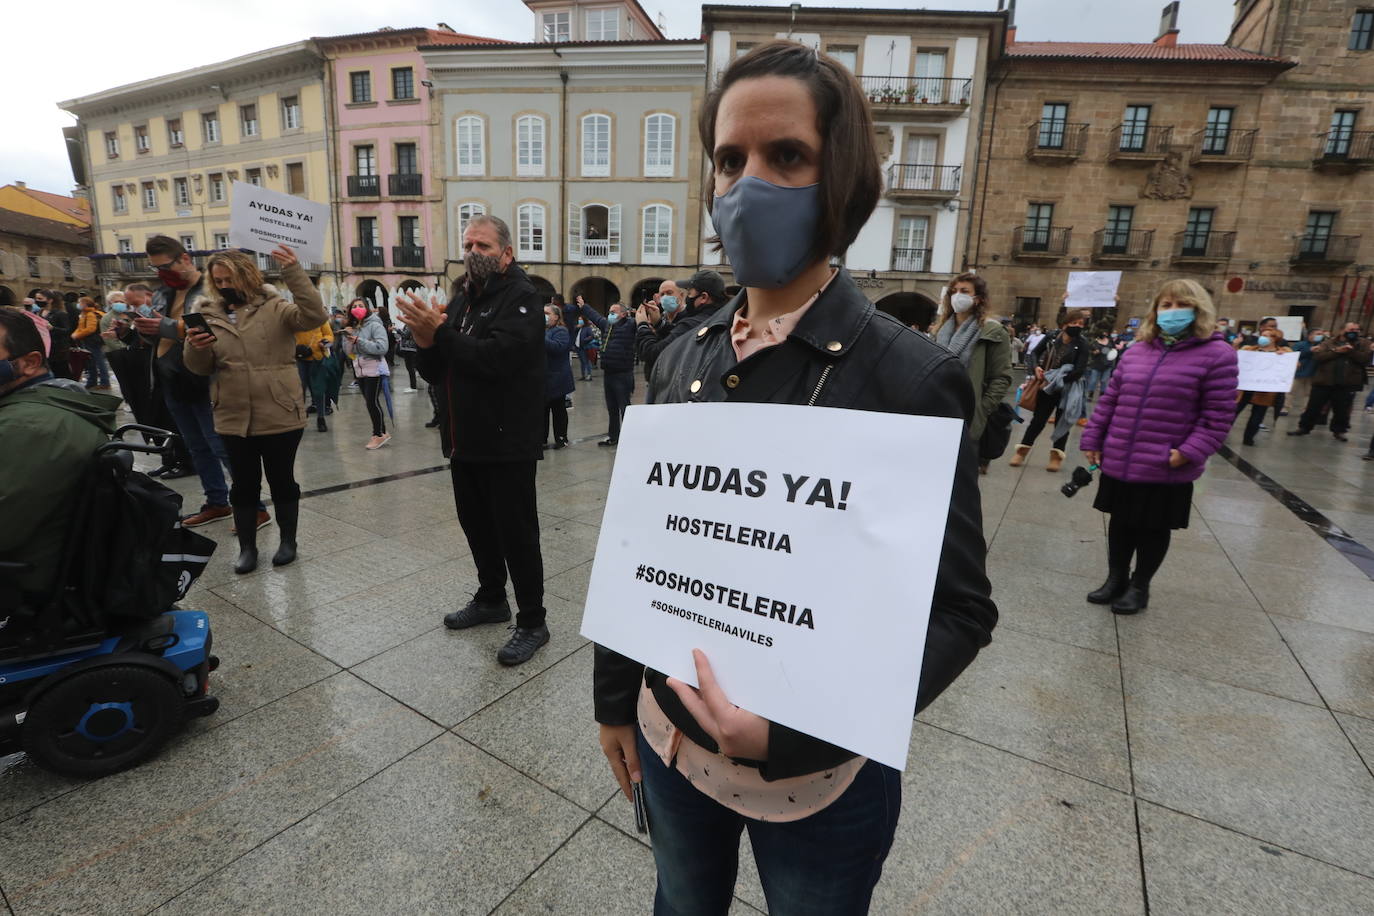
(696, 386)
(834, 346)
(702, 332)
(732, 381)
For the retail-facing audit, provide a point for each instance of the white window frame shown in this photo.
(654, 152)
(126, 246)
(560, 18)
(371, 160)
(613, 12)
(143, 141)
(209, 127)
(149, 188)
(291, 112)
(112, 144)
(249, 127)
(530, 131)
(188, 241)
(176, 136)
(656, 247)
(253, 177)
(216, 195)
(473, 147)
(467, 211)
(119, 198)
(221, 241)
(529, 218)
(181, 192)
(590, 167)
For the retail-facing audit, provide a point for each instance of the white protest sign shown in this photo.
(1291, 326)
(797, 547)
(1261, 371)
(260, 220)
(1092, 289)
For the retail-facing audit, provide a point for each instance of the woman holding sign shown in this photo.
(1260, 401)
(1166, 410)
(795, 177)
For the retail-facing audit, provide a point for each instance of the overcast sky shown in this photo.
(96, 44)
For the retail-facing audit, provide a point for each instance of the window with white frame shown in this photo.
(529, 145)
(121, 202)
(209, 127)
(656, 235)
(558, 26)
(126, 246)
(175, 136)
(660, 134)
(248, 120)
(596, 145)
(111, 144)
(221, 241)
(603, 24)
(845, 54)
(142, 142)
(466, 214)
(529, 232)
(149, 196)
(187, 241)
(291, 112)
(472, 155)
(181, 192)
(217, 188)
(253, 177)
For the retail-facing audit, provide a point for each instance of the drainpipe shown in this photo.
(563, 177)
(331, 151)
(982, 189)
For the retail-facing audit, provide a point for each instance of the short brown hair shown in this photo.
(851, 180)
(165, 245)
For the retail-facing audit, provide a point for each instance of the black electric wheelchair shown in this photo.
(96, 676)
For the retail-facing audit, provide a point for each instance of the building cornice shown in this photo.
(550, 59)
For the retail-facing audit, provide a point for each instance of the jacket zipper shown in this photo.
(1140, 413)
(825, 374)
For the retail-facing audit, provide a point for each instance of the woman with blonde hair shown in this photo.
(1167, 408)
(982, 345)
(249, 346)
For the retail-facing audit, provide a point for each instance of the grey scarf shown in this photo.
(959, 341)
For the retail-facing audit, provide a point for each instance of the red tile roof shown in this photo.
(1108, 50)
(72, 206)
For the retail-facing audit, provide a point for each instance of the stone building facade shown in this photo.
(1226, 163)
(38, 253)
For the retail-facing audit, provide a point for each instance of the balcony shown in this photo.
(906, 181)
(123, 264)
(407, 255)
(912, 259)
(408, 184)
(1120, 245)
(1319, 252)
(364, 186)
(1223, 147)
(1345, 151)
(596, 251)
(1040, 243)
(367, 256)
(917, 97)
(1132, 142)
(1055, 141)
(1191, 247)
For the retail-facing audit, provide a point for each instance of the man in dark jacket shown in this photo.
(1341, 360)
(485, 357)
(703, 294)
(617, 364)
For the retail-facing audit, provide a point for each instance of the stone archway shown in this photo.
(544, 288)
(911, 309)
(7, 297)
(598, 292)
(644, 289)
(375, 293)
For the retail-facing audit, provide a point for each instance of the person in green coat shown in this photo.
(981, 343)
(49, 431)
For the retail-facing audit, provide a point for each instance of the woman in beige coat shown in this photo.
(250, 350)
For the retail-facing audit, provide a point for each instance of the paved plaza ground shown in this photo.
(1212, 755)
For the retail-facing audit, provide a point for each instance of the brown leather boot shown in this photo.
(1056, 460)
(1020, 457)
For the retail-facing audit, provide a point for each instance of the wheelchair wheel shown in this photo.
(101, 721)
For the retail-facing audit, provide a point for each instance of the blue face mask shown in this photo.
(768, 231)
(1174, 321)
(669, 304)
(120, 307)
(145, 310)
(613, 317)
(1264, 341)
(1318, 338)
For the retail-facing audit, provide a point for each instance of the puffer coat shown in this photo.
(1161, 398)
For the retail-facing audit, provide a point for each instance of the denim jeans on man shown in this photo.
(826, 864)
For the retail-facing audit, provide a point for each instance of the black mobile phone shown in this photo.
(641, 811)
(197, 321)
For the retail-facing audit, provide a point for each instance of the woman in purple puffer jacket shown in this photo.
(1168, 407)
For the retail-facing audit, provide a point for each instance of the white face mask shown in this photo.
(961, 302)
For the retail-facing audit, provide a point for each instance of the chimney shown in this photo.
(1010, 7)
(20, 185)
(1168, 26)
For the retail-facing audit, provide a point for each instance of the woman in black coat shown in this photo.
(558, 378)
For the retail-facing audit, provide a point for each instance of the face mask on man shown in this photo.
(1318, 338)
(171, 278)
(1174, 321)
(669, 304)
(1264, 340)
(613, 317)
(961, 302)
(1073, 330)
(145, 311)
(480, 266)
(768, 231)
(1352, 336)
(119, 307)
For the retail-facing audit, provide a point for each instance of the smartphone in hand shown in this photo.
(196, 321)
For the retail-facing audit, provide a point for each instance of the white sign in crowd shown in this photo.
(260, 220)
(1260, 371)
(1092, 289)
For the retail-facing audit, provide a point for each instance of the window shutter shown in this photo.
(613, 232)
(574, 232)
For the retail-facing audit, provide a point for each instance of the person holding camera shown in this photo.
(244, 335)
(1167, 408)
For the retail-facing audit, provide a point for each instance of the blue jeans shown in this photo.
(823, 865)
(98, 370)
(585, 357)
(619, 387)
(1369, 401)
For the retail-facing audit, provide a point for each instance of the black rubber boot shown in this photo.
(1135, 599)
(321, 425)
(288, 513)
(246, 521)
(1111, 589)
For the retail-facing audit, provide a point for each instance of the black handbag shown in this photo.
(997, 433)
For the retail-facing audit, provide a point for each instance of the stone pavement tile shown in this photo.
(1339, 661)
(1361, 733)
(1258, 764)
(318, 536)
(545, 729)
(1052, 607)
(599, 870)
(1298, 549)
(380, 618)
(1048, 508)
(448, 829)
(1194, 868)
(1021, 546)
(1056, 704)
(133, 840)
(575, 500)
(24, 786)
(1267, 514)
(572, 586)
(384, 508)
(983, 831)
(591, 518)
(565, 544)
(442, 539)
(1237, 646)
(1359, 525)
(450, 674)
(1342, 601)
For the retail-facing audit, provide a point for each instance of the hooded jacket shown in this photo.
(256, 388)
(989, 370)
(49, 432)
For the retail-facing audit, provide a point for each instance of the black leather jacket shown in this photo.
(843, 353)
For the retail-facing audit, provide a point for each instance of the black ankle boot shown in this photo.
(321, 425)
(1134, 600)
(1111, 589)
(288, 513)
(246, 524)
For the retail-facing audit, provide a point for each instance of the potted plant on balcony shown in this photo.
(911, 94)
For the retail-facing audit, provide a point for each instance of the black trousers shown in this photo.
(496, 507)
(409, 357)
(372, 393)
(556, 412)
(619, 388)
(1045, 404)
(252, 456)
(1338, 398)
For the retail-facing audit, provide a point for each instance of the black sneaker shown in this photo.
(432, 423)
(478, 612)
(608, 443)
(1300, 432)
(522, 645)
(179, 471)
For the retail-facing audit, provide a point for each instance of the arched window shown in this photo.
(529, 232)
(656, 234)
(660, 141)
(596, 145)
(529, 145)
(472, 153)
(466, 212)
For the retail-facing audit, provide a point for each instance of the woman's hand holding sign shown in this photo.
(738, 732)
